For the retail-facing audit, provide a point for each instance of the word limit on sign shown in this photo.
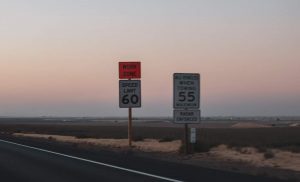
(130, 93)
(186, 90)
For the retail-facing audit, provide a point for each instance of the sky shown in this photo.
(60, 57)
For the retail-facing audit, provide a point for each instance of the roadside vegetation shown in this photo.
(284, 138)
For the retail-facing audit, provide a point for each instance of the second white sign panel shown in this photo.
(129, 93)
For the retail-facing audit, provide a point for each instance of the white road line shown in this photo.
(95, 162)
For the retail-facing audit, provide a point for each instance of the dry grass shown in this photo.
(278, 158)
(269, 158)
(284, 138)
(148, 145)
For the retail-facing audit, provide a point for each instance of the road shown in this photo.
(35, 161)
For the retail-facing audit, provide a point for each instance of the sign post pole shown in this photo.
(130, 127)
(186, 138)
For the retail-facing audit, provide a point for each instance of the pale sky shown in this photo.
(60, 57)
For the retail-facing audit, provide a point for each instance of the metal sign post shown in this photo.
(129, 90)
(186, 102)
(193, 135)
(193, 138)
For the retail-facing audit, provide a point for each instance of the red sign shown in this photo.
(128, 70)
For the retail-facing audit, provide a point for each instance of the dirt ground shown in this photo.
(249, 125)
(279, 159)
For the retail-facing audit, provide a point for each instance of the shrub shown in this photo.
(51, 138)
(181, 149)
(269, 154)
(166, 139)
(203, 147)
(82, 136)
(138, 138)
(261, 149)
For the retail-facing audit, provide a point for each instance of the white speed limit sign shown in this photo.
(129, 93)
(186, 90)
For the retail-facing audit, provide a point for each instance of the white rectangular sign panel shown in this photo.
(186, 116)
(193, 135)
(129, 93)
(186, 90)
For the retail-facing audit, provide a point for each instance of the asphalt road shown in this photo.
(35, 161)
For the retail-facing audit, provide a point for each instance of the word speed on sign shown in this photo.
(186, 90)
(129, 93)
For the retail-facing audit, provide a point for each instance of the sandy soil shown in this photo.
(249, 125)
(281, 159)
(149, 145)
(294, 125)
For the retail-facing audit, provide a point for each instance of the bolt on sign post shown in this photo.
(129, 90)
(186, 102)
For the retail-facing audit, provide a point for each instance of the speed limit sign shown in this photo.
(129, 93)
(186, 90)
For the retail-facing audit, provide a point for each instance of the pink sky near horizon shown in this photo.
(70, 56)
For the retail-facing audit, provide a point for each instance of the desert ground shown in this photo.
(220, 144)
